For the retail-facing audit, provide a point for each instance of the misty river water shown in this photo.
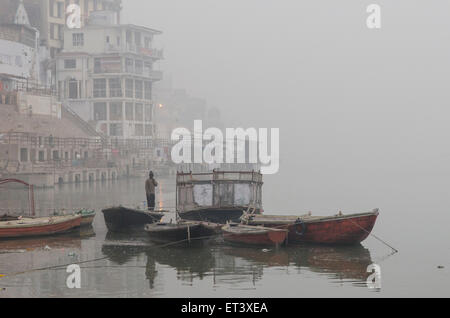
(131, 266)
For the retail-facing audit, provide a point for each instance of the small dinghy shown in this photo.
(183, 231)
(87, 217)
(30, 227)
(122, 219)
(253, 235)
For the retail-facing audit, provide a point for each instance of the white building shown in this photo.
(105, 73)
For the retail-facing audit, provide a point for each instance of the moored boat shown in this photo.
(122, 219)
(87, 217)
(253, 235)
(182, 232)
(218, 196)
(338, 229)
(44, 226)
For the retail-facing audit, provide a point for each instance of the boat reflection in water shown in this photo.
(227, 265)
(197, 262)
(120, 250)
(69, 240)
(340, 263)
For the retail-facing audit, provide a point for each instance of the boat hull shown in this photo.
(58, 226)
(339, 230)
(121, 219)
(215, 215)
(174, 232)
(254, 236)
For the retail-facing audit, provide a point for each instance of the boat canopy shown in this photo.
(219, 189)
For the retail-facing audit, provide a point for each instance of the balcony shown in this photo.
(131, 48)
(153, 53)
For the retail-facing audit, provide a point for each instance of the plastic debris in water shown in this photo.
(266, 250)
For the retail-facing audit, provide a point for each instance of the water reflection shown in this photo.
(122, 247)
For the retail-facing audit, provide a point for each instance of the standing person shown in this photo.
(150, 185)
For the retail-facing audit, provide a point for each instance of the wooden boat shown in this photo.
(253, 235)
(29, 227)
(338, 229)
(218, 196)
(122, 219)
(183, 231)
(87, 217)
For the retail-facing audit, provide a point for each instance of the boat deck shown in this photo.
(30, 222)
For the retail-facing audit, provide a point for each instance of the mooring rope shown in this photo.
(376, 237)
(103, 258)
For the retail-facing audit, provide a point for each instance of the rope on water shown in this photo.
(103, 258)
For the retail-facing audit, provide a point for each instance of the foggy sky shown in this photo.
(362, 113)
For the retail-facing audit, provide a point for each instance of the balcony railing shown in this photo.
(149, 52)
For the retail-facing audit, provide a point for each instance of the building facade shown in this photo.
(50, 16)
(105, 73)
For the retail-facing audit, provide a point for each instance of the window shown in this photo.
(23, 154)
(148, 112)
(129, 87)
(138, 112)
(148, 90)
(100, 87)
(41, 156)
(137, 39)
(129, 115)
(78, 39)
(147, 69)
(129, 66)
(51, 8)
(52, 31)
(100, 111)
(60, 9)
(60, 32)
(148, 130)
(138, 67)
(115, 87)
(147, 42)
(55, 155)
(115, 130)
(97, 65)
(139, 87)
(72, 63)
(73, 89)
(115, 111)
(139, 130)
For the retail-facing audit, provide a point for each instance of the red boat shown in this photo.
(14, 227)
(253, 235)
(338, 229)
(29, 227)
